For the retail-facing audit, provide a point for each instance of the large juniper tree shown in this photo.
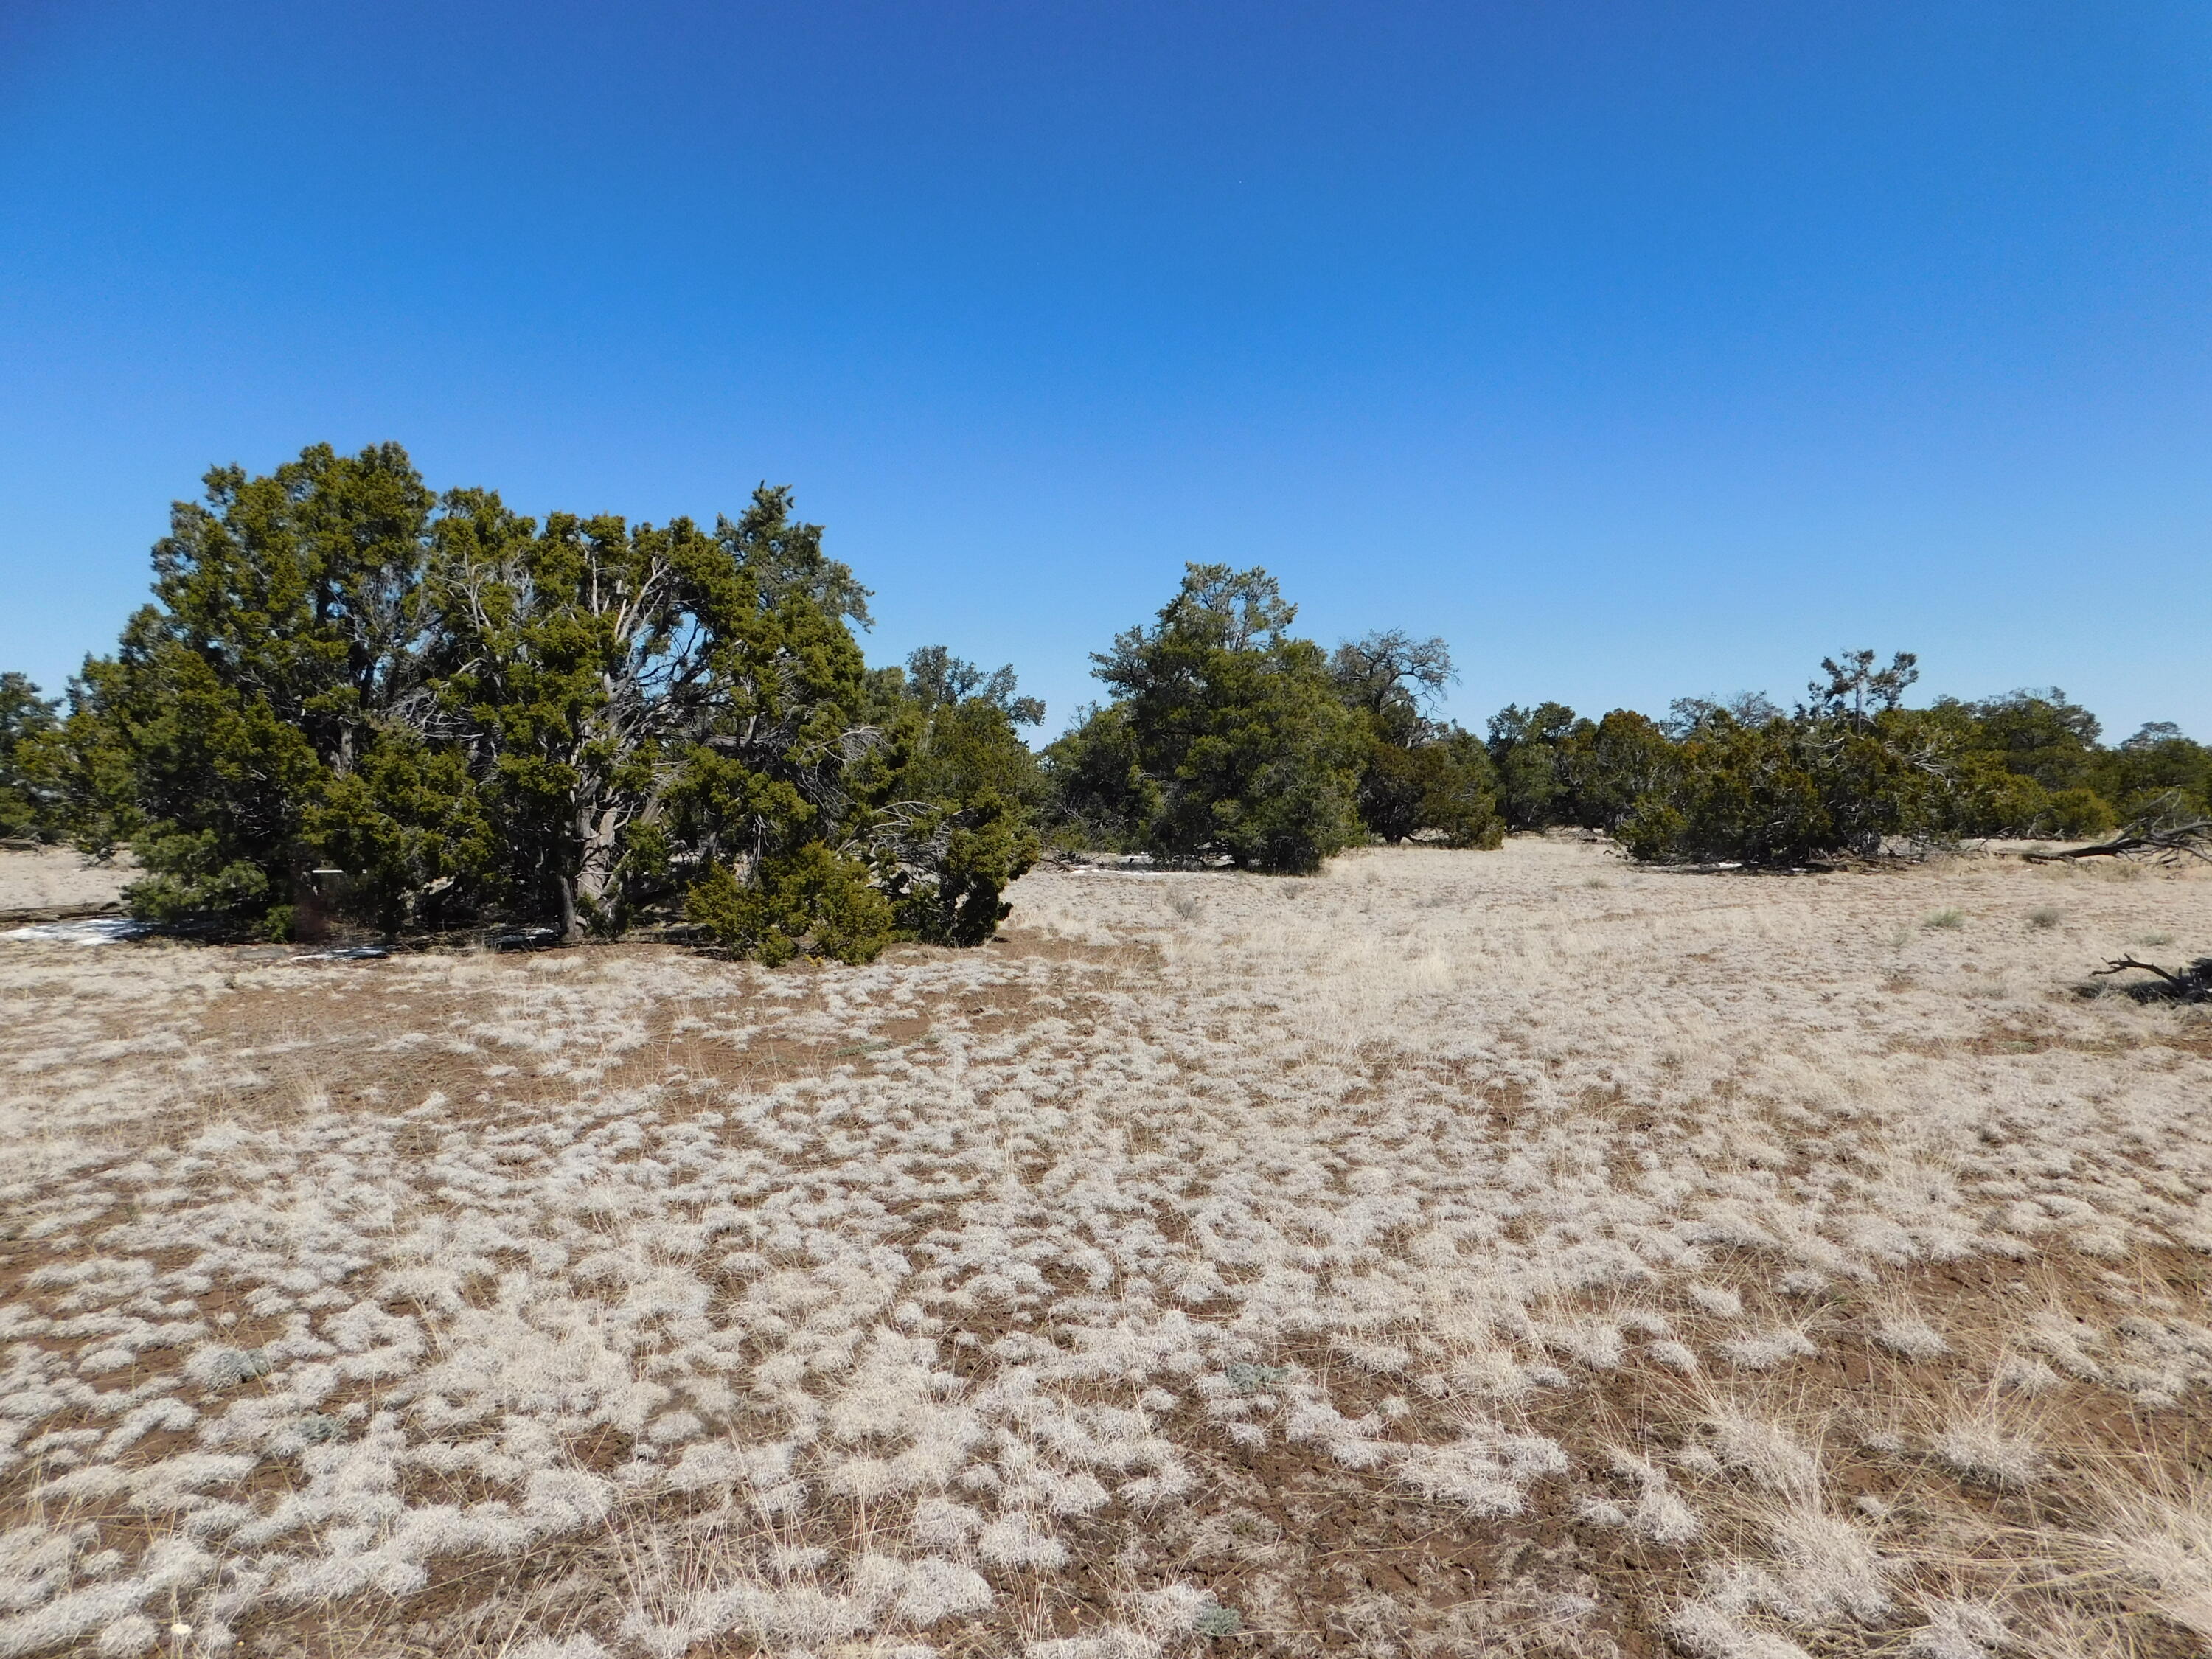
(421, 711)
(1228, 737)
(629, 692)
(284, 628)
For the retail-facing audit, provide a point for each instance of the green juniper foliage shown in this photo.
(284, 637)
(33, 805)
(1526, 747)
(1419, 775)
(351, 698)
(1228, 737)
(1606, 767)
(960, 797)
(1853, 770)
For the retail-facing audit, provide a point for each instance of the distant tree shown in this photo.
(1526, 749)
(1686, 714)
(957, 823)
(1099, 792)
(1852, 688)
(1239, 744)
(1786, 792)
(936, 678)
(1851, 769)
(32, 802)
(1419, 775)
(1397, 678)
(1609, 767)
(2038, 734)
(1743, 792)
(2157, 770)
(1457, 799)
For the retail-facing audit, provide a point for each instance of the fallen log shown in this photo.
(32, 913)
(2193, 839)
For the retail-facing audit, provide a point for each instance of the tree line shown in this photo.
(1228, 737)
(353, 700)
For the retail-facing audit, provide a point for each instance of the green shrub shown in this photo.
(959, 796)
(1101, 797)
(1848, 773)
(1419, 775)
(1606, 769)
(32, 800)
(809, 902)
(950, 869)
(1458, 801)
(2079, 814)
(2156, 773)
(1743, 794)
(1526, 748)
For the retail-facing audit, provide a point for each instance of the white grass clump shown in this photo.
(1911, 1337)
(1982, 1449)
(1958, 1630)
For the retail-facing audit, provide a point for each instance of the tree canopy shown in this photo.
(352, 698)
(1850, 771)
(1226, 738)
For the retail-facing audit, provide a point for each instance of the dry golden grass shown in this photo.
(1513, 1253)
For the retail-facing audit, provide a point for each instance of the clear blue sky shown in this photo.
(1639, 350)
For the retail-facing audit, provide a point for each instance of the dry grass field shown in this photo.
(1512, 1253)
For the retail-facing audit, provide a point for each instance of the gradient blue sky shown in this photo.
(1639, 350)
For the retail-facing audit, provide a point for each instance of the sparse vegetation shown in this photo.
(1348, 1258)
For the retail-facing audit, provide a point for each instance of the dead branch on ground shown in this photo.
(2191, 984)
(2167, 842)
